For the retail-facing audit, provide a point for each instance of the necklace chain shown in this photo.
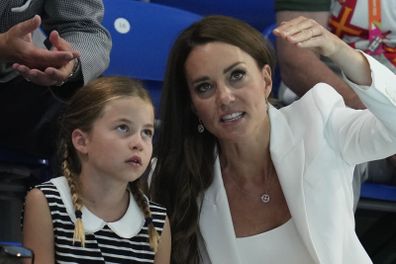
(264, 197)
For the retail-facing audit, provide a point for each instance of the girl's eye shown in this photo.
(148, 133)
(203, 88)
(237, 75)
(124, 129)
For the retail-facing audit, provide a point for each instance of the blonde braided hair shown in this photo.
(79, 234)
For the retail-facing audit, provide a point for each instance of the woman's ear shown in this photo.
(80, 141)
(267, 76)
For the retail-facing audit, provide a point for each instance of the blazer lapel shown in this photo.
(287, 153)
(216, 223)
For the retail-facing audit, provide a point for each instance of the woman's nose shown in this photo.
(225, 95)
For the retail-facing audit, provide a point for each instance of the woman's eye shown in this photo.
(203, 88)
(237, 75)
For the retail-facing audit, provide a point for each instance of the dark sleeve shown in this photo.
(80, 23)
(302, 5)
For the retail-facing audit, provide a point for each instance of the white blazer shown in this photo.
(315, 144)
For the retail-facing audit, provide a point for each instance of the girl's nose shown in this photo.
(136, 142)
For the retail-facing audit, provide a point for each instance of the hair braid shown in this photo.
(144, 206)
(79, 234)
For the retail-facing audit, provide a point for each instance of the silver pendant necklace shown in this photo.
(265, 198)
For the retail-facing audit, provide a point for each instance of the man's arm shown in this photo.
(301, 69)
(16, 46)
(80, 24)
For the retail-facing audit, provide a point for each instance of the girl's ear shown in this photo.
(267, 76)
(80, 141)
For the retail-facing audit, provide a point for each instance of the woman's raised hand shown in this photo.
(307, 33)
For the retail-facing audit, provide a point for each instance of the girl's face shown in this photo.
(228, 90)
(120, 142)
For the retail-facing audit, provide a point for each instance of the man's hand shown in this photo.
(51, 75)
(16, 46)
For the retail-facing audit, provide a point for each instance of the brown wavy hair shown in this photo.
(186, 158)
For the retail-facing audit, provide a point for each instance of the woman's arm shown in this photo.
(164, 249)
(302, 79)
(307, 33)
(359, 135)
(37, 227)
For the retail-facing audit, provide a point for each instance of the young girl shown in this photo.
(96, 213)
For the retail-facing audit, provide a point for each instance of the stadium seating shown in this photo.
(258, 13)
(143, 34)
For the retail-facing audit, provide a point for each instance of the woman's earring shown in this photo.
(200, 127)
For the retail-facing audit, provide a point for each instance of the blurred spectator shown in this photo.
(35, 77)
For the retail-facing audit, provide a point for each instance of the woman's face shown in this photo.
(228, 90)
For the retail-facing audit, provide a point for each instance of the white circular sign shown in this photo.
(122, 25)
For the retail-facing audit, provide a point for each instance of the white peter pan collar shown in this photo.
(128, 226)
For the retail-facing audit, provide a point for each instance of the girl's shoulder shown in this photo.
(156, 207)
(57, 193)
(158, 215)
(49, 187)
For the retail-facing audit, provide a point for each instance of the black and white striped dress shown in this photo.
(123, 241)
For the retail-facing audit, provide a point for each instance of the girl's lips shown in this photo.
(135, 160)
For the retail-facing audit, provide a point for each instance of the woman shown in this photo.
(244, 182)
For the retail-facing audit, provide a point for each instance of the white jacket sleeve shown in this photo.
(364, 135)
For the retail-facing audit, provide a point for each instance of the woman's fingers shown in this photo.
(298, 30)
(307, 33)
